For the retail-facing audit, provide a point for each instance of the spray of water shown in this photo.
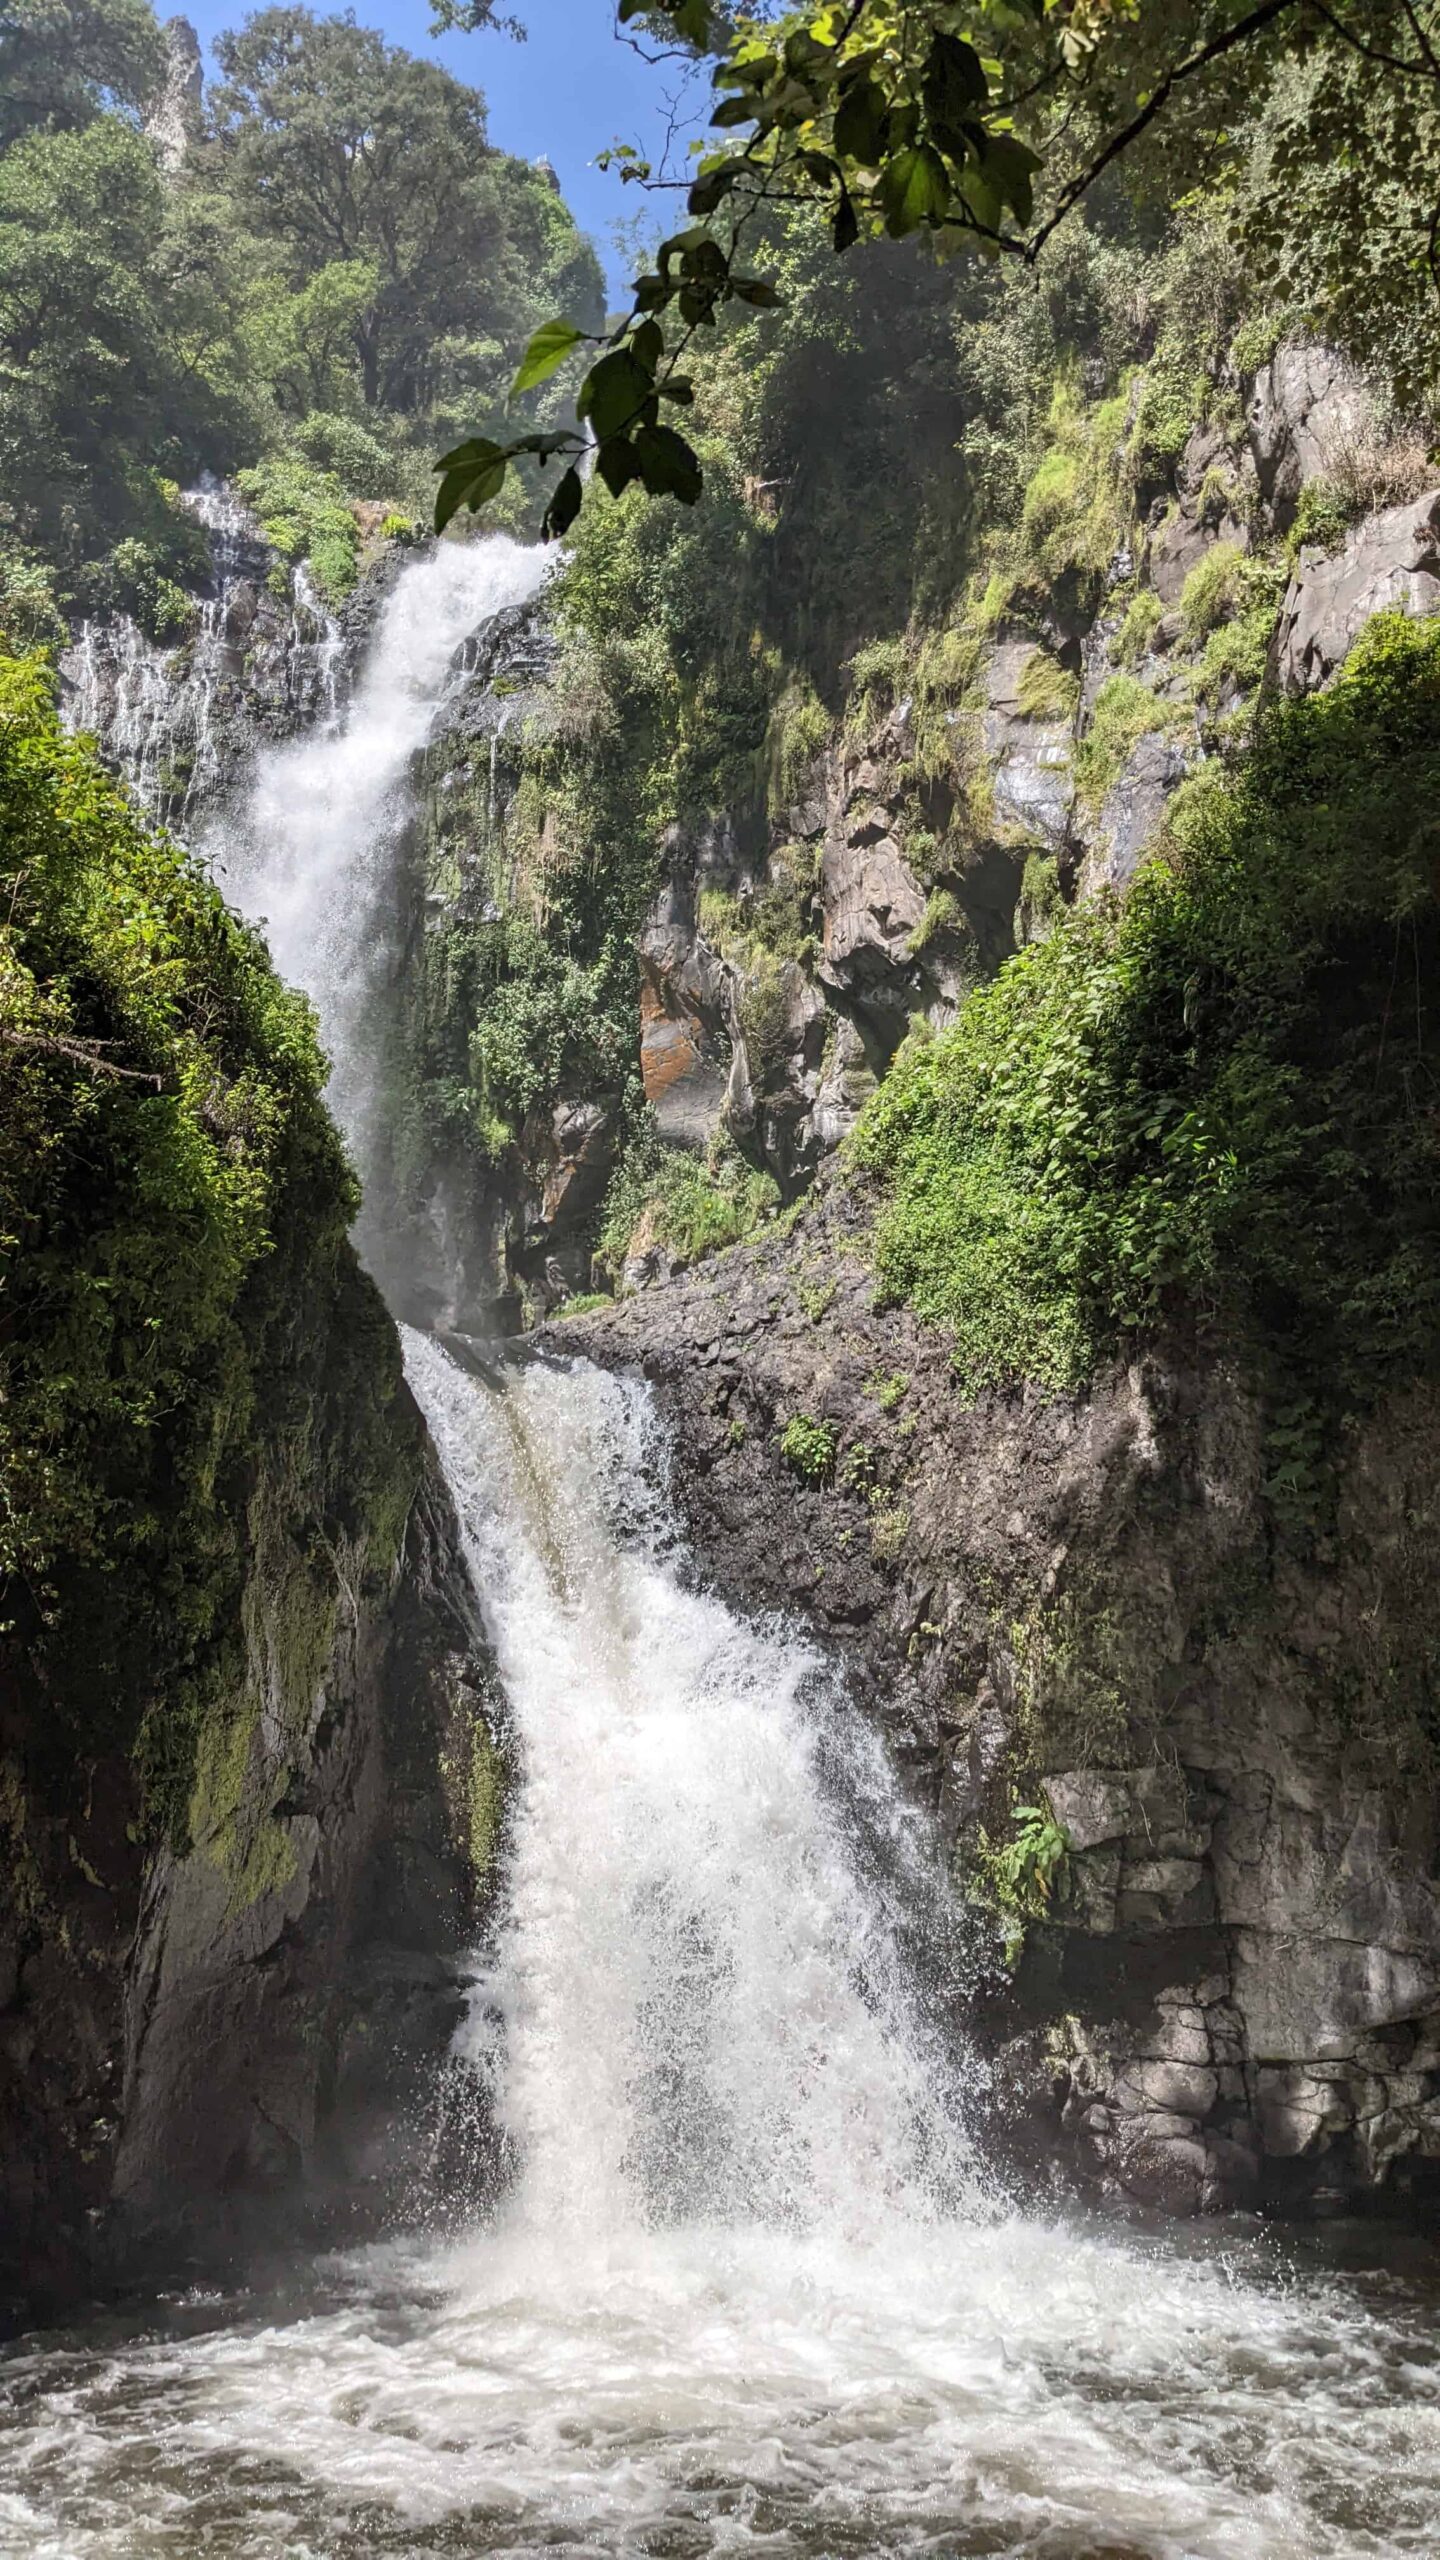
(705, 2011)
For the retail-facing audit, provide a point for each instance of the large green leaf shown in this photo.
(614, 392)
(564, 507)
(862, 120)
(668, 465)
(914, 189)
(547, 349)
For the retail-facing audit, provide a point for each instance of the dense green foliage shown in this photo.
(983, 127)
(173, 1212)
(1218, 1099)
(686, 1205)
(341, 272)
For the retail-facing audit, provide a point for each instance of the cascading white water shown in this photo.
(745, 2294)
(746, 2291)
(309, 850)
(171, 714)
(705, 2010)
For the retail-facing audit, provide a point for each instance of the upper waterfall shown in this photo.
(309, 851)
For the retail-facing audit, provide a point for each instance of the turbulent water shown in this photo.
(746, 2287)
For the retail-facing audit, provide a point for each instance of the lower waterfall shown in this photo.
(746, 2290)
(747, 2287)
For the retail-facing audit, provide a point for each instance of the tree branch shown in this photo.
(81, 1053)
(1238, 34)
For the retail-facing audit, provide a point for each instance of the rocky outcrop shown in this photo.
(1391, 561)
(1307, 408)
(175, 116)
(262, 658)
(1233, 1992)
(1030, 760)
(224, 2015)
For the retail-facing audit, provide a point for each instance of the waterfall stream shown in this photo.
(749, 2288)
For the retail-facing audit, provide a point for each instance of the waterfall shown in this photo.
(178, 718)
(704, 2010)
(746, 2289)
(310, 848)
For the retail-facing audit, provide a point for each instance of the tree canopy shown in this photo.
(339, 276)
(983, 126)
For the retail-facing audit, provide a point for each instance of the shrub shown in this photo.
(663, 1196)
(809, 1447)
(1202, 1100)
(348, 453)
(304, 515)
(30, 616)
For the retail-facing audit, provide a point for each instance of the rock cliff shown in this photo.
(1232, 1992)
(1223, 1974)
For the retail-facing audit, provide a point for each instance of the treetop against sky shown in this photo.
(567, 91)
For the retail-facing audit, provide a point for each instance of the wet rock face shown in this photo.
(1030, 759)
(1307, 406)
(1233, 1993)
(220, 2048)
(182, 720)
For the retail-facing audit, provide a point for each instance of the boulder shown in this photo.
(1391, 559)
(873, 906)
(1307, 405)
(1029, 759)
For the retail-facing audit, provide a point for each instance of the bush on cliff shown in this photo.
(174, 1202)
(1217, 1099)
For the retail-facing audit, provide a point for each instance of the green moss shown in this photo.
(1041, 898)
(1132, 641)
(1047, 691)
(799, 729)
(1175, 396)
(1235, 656)
(1211, 592)
(1198, 1101)
(1323, 517)
(194, 1375)
(485, 1803)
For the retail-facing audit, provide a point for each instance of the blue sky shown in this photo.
(566, 92)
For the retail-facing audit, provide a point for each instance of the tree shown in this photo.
(371, 170)
(984, 125)
(63, 61)
(82, 359)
